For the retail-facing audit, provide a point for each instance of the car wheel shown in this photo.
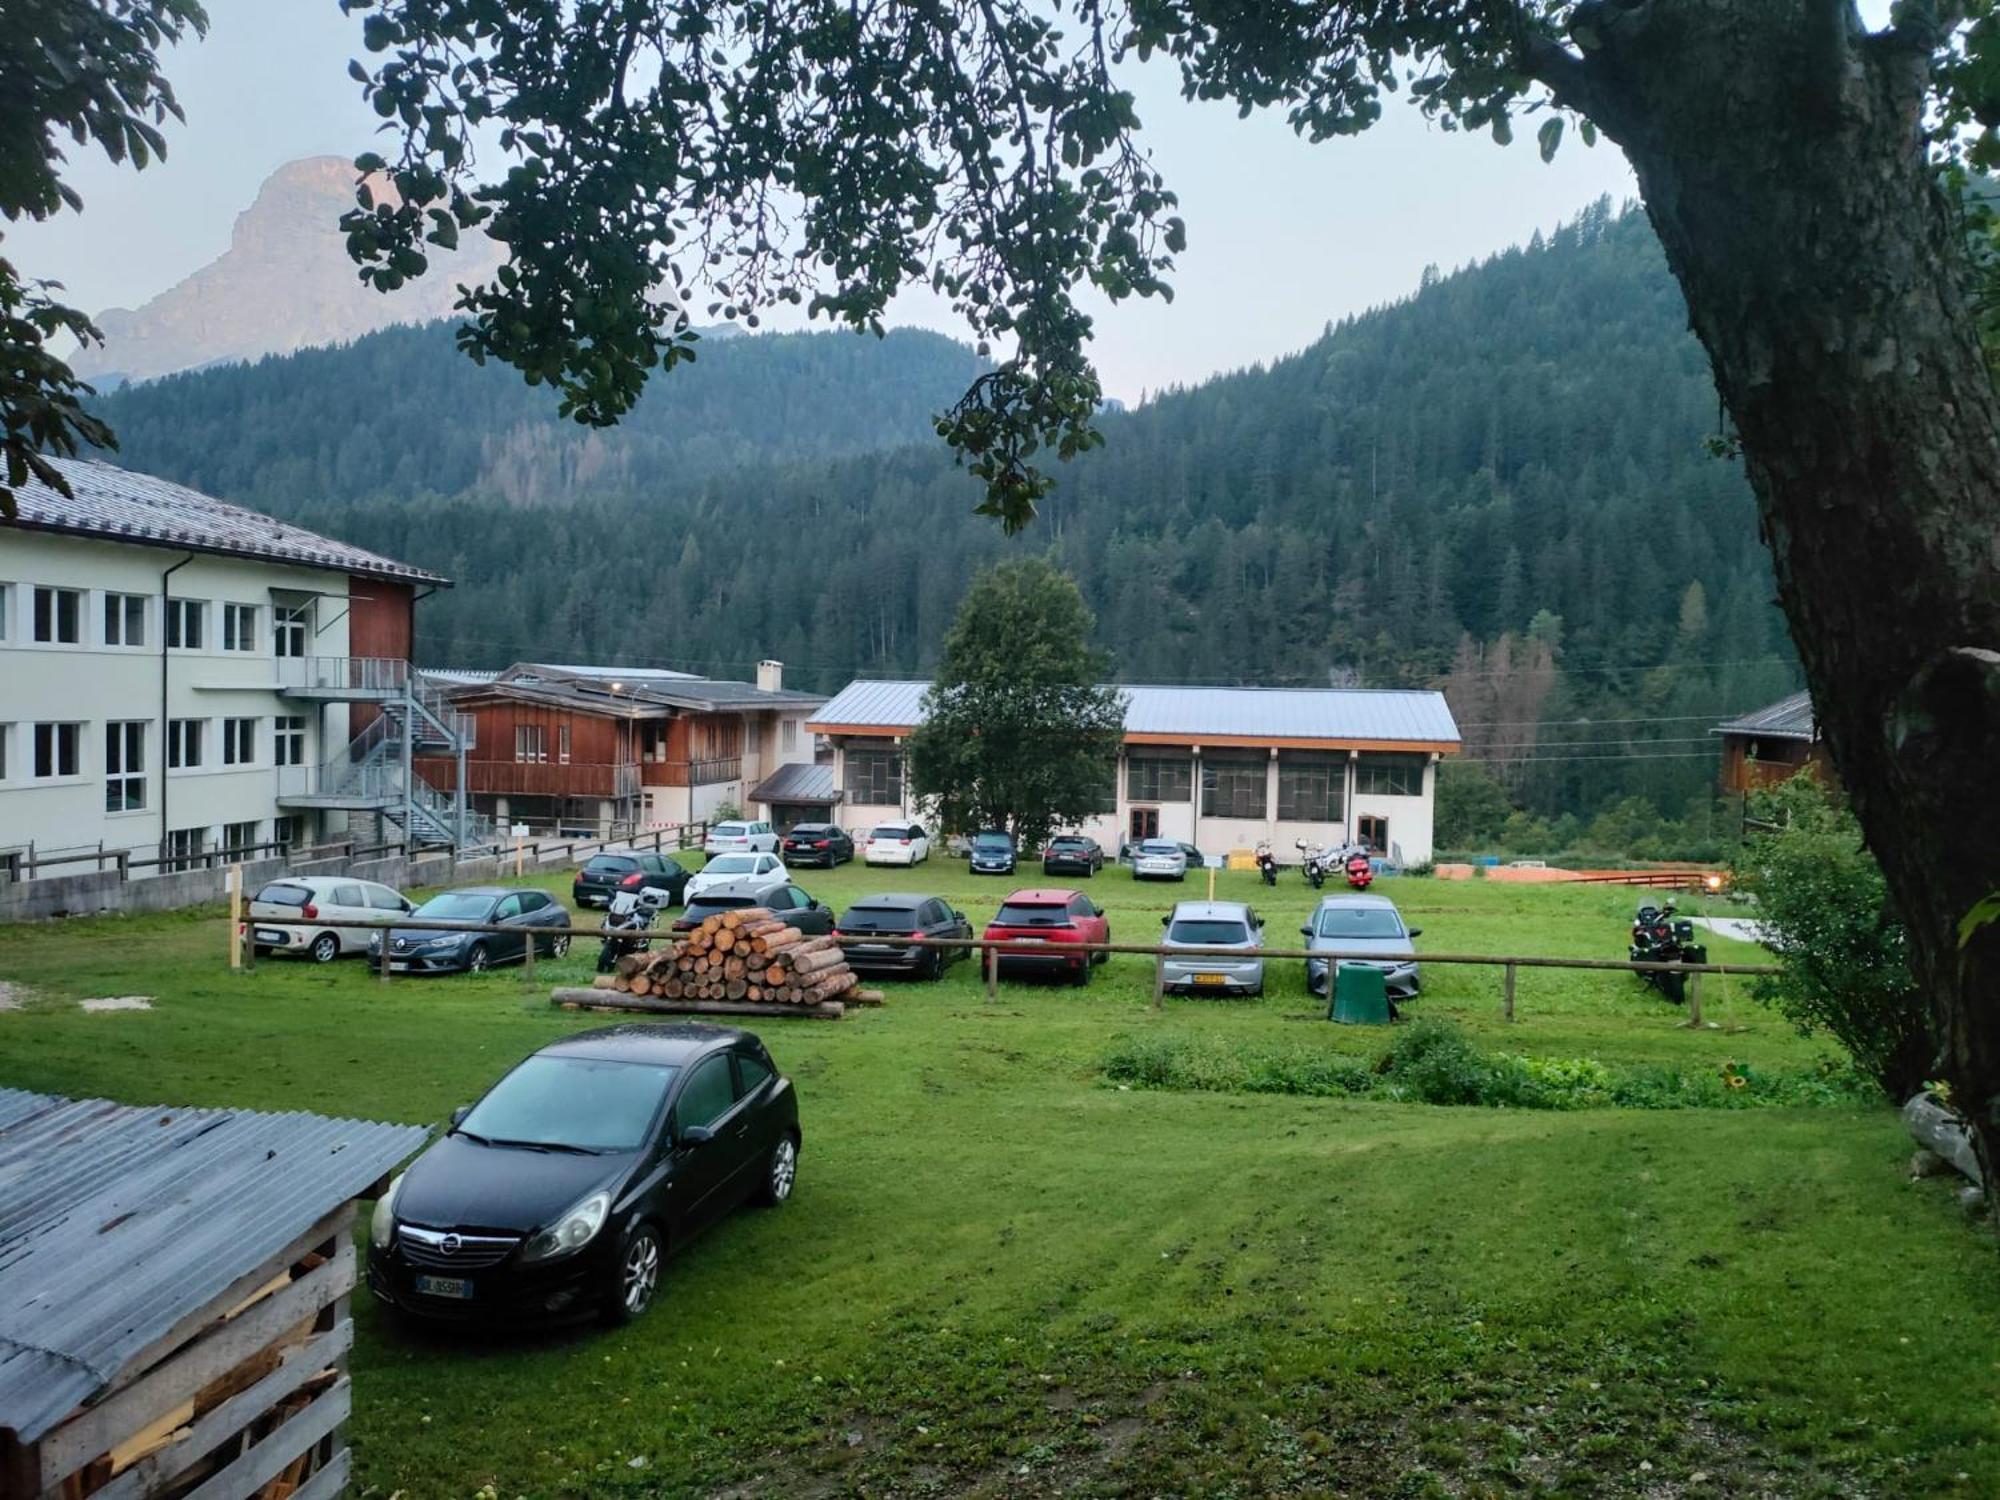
(260, 950)
(781, 1173)
(325, 948)
(1102, 958)
(1083, 975)
(478, 961)
(635, 1275)
(934, 965)
(559, 945)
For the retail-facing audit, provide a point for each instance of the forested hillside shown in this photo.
(1499, 484)
(402, 415)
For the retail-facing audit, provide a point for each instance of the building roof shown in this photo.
(629, 692)
(117, 505)
(1336, 715)
(118, 1222)
(1788, 719)
(797, 783)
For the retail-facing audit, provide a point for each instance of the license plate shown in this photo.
(1211, 979)
(1025, 940)
(269, 935)
(445, 1286)
(399, 966)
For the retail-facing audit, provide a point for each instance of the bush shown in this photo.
(1825, 907)
(1435, 1063)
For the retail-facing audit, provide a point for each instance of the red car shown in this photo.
(1050, 915)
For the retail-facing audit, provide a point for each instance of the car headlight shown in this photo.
(382, 1227)
(374, 942)
(572, 1231)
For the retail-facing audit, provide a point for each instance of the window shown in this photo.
(289, 831)
(1310, 785)
(1233, 785)
(1375, 833)
(533, 901)
(239, 627)
(124, 765)
(751, 1075)
(510, 907)
(239, 742)
(184, 737)
(1159, 778)
(381, 898)
(58, 616)
(707, 1094)
(531, 743)
(124, 619)
(1390, 775)
(875, 777)
(562, 743)
(788, 736)
(288, 740)
(1107, 790)
(288, 630)
(6, 735)
(184, 619)
(57, 750)
(349, 896)
(6, 609)
(184, 848)
(239, 839)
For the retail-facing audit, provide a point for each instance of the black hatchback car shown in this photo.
(902, 915)
(992, 853)
(816, 844)
(813, 918)
(1072, 854)
(417, 951)
(561, 1193)
(605, 874)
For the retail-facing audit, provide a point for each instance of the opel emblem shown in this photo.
(449, 1244)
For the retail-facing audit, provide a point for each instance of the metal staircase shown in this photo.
(376, 770)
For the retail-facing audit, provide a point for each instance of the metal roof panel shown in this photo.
(1788, 719)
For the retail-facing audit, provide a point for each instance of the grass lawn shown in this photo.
(1004, 1275)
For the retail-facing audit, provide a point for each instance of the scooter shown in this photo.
(1267, 864)
(628, 922)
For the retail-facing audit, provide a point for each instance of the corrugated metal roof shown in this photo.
(1788, 719)
(637, 693)
(117, 1221)
(1336, 714)
(797, 783)
(118, 505)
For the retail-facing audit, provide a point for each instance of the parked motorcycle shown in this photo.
(1659, 937)
(1314, 863)
(1360, 870)
(628, 923)
(1267, 863)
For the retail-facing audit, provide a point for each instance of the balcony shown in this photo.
(535, 778)
(692, 772)
(343, 679)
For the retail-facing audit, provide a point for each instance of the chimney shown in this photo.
(770, 676)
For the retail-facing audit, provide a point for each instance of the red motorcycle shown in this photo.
(1360, 873)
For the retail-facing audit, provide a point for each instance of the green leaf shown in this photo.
(1550, 136)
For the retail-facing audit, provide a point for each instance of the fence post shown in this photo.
(1694, 999)
(528, 957)
(236, 916)
(992, 974)
(1507, 995)
(1159, 981)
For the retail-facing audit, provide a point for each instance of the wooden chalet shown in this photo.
(1773, 745)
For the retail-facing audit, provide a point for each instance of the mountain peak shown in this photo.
(285, 283)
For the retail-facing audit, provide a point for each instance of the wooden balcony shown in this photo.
(534, 778)
(691, 772)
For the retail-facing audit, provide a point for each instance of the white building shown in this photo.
(179, 676)
(1219, 768)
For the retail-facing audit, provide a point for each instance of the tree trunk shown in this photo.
(1783, 163)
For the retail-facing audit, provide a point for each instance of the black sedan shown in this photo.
(992, 853)
(816, 844)
(900, 915)
(813, 918)
(563, 1190)
(415, 951)
(1072, 854)
(607, 873)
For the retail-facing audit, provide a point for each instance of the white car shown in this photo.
(321, 916)
(744, 874)
(1159, 859)
(896, 844)
(740, 837)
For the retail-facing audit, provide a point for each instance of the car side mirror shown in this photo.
(458, 1115)
(1163, 921)
(1260, 921)
(1416, 932)
(696, 1135)
(1305, 932)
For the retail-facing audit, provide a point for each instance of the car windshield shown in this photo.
(1207, 932)
(610, 864)
(1026, 914)
(572, 1103)
(708, 906)
(879, 919)
(284, 895)
(456, 906)
(992, 841)
(1359, 922)
(1159, 846)
(731, 864)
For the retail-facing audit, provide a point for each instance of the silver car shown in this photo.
(1159, 859)
(1366, 925)
(1215, 924)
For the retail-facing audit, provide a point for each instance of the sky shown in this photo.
(1284, 236)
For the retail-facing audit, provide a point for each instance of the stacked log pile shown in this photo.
(734, 959)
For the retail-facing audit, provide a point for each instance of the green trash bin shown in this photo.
(1360, 996)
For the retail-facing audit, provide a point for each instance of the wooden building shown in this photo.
(176, 1308)
(617, 749)
(1773, 745)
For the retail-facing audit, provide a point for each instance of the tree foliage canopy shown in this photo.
(1017, 733)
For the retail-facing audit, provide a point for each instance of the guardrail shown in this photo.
(993, 948)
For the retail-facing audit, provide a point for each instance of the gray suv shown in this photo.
(1371, 930)
(1214, 924)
